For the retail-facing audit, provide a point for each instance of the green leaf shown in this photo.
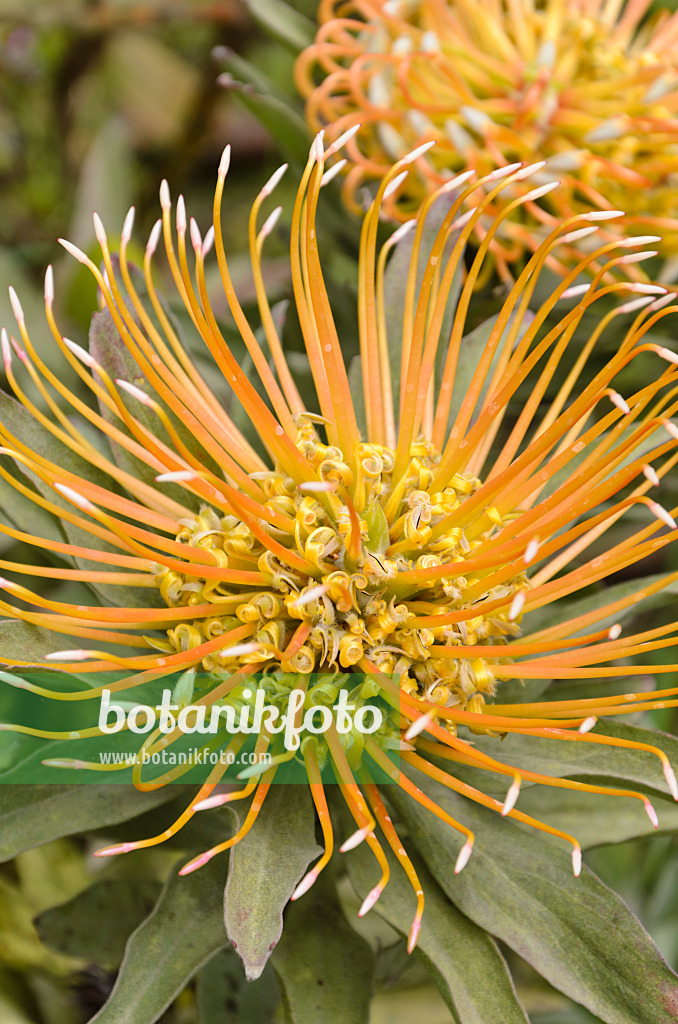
(225, 997)
(575, 932)
(24, 514)
(542, 618)
(183, 932)
(444, 932)
(261, 96)
(110, 351)
(395, 278)
(377, 527)
(471, 350)
(27, 642)
(588, 760)
(283, 22)
(355, 383)
(74, 928)
(31, 433)
(32, 815)
(595, 819)
(324, 967)
(265, 868)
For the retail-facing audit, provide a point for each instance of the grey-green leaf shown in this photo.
(325, 968)
(224, 996)
(162, 955)
(575, 932)
(259, 94)
(32, 815)
(265, 868)
(283, 22)
(395, 278)
(445, 931)
(74, 928)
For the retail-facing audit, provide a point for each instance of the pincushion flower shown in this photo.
(399, 557)
(496, 83)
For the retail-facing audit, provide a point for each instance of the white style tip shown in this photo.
(516, 606)
(666, 353)
(409, 158)
(596, 215)
(196, 237)
(273, 180)
(16, 307)
(82, 354)
(650, 473)
(177, 476)
(660, 512)
(651, 813)
(49, 285)
(128, 226)
(463, 858)
(531, 551)
(78, 254)
(394, 185)
(317, 147)
(420, 724)
(334, 170)
(181, 215)
(225, 162)
(154, 238)
(77, 499)
(310, 595)
(587, 724)
(370, 900)
(79, 655)
(342, 140)
(165, 200)
(355, 840)
(511, 797)
(620, 402)
(99, 230)
(670, 777)
(270, 223)
(135, 392)
(576, 861)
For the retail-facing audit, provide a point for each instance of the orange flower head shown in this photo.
(396, 539)
(498, 83)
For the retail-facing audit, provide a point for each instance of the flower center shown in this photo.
(357, 607)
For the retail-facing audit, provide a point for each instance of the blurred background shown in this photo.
(100, 100)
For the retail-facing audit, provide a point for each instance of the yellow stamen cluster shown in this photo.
(352, 602)
(496, 83)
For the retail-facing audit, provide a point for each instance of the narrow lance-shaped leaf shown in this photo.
(444, 932)
(162, 955)
(324, 967)
(74, 928)
(264, 871)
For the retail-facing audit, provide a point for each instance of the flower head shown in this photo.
(400, 554)
(496, 83)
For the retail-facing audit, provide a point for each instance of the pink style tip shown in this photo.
(370, 900)
(413, 937)
(199, 862)
(305, 884)
(113, 851)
